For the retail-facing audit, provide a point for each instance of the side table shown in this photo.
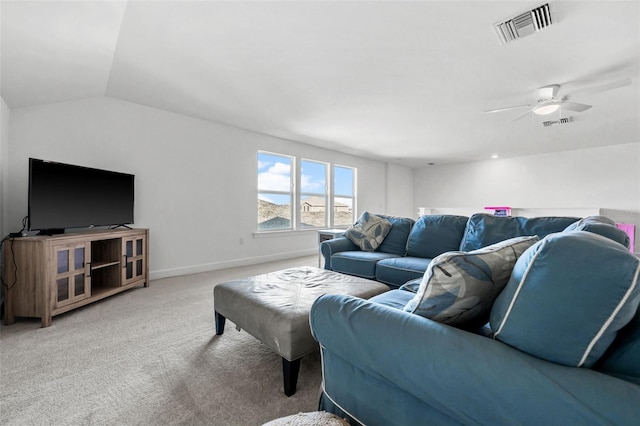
(324, 235)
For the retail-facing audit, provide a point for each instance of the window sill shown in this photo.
(290, 233)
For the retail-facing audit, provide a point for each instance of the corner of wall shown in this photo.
(5, 113)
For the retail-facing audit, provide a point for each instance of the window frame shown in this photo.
(325, 193)
(290, 193)
(335, 195)
(295, 193)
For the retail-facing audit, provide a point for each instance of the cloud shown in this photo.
(276, 178)
(308, 185)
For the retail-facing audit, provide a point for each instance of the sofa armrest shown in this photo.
(469, 378)
(336, 245)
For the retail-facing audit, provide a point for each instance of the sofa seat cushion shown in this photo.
(485, 229)
(398, 270)
(567, 298)
(433, 235)
(396, 240)
(622, 359)
(394, 298)
(459, 288)
(358, 263)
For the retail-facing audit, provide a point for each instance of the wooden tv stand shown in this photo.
(55, 274)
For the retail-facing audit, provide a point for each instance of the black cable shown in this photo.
(15, 266)
(13, 256)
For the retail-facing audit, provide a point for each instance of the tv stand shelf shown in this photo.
(98, 265)
(58, 273)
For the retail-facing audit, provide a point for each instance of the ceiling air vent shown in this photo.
(565, 120)
(524, 24)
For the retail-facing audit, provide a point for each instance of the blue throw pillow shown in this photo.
(567, 298)
(433, 235)
(459, 288)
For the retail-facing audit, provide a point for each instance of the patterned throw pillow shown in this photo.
(459, 288)
(368, 232)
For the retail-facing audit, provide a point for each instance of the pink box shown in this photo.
(499, 211)
(630, 229)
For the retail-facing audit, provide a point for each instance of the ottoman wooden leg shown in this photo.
(219, 323)
(290, 371)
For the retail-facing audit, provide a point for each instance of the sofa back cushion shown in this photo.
(484, 229)
(543, 226)
(601, 225)
(567, 298)
(396, 240)
(433, 235)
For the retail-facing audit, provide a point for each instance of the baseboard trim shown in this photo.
(247, 261)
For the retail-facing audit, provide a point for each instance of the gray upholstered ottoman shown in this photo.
(274, 308)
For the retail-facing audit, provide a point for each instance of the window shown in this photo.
(303, 197)
(275, 192)
(344, 179)
(313, 194)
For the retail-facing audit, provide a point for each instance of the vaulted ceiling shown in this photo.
(405, 82)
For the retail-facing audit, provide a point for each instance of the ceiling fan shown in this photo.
(548, 101)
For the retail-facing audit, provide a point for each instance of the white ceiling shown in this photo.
(406, 82)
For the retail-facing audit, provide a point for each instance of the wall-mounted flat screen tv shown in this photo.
(65, 196)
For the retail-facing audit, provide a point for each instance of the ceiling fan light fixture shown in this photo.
(547, 108)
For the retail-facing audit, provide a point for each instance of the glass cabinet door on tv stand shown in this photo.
(134, 259)
(73, 282)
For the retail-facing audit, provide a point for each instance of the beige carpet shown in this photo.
(148, 356)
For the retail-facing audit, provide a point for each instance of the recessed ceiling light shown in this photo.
(494, 156)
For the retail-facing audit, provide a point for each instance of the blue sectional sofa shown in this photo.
(409, 247)
(562, 346)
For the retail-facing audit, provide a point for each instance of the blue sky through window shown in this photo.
(313, 177)
(274, 175)
(343, 181)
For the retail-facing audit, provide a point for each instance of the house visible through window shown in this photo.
(315, 195)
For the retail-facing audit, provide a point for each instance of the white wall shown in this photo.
(399, 195)
(581, 181)
(5, 113)
(195, 180)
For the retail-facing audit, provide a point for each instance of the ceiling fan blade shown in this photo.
(602, 87)
(522, 115)
(572, 106)
(507, 108)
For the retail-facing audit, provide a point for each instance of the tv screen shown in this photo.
(67, 196)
